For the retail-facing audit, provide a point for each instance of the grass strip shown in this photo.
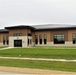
(52, 53)
(49, 65)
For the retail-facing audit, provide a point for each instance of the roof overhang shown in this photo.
(4, 31)
(67, 28)
(20, 27)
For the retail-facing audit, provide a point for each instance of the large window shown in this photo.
(59, 39)
(40, 39)
(74, 38)
(17, 34)
(36, 39)
(45, 39)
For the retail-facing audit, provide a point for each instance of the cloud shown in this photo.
(14, 12)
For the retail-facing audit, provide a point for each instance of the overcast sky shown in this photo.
(31, 12)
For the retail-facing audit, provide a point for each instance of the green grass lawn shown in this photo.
(42, 52)
(49, 65)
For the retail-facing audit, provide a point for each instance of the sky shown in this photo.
(37, 12)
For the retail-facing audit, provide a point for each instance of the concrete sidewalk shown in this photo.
(6, 48)
(42, 59)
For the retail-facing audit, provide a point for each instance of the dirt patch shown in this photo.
(34, 71)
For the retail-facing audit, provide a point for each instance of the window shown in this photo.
(29, 34)
(28, 41)
(36, 39)
(4, 38)
(74, 38)
(7, 40)
(59, 39)
(40, 39)
(17, 34)
(45, 39)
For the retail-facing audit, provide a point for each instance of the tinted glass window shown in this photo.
(74, 38)
(45, 39)
(59, 39)
(36, 39)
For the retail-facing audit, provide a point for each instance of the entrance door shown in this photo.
(17, 43)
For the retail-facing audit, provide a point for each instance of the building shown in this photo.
(38, 35)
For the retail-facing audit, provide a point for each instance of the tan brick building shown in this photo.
(38, 35)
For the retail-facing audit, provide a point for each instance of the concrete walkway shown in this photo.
(6, 48)
(42, 59)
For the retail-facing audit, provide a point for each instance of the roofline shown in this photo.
(19, 27)
(33, 28)
(3, 31)
(66, 28)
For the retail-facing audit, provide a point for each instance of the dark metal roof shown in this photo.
(43, 27)
(19, 27)
(53, 26)
(4, 31)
